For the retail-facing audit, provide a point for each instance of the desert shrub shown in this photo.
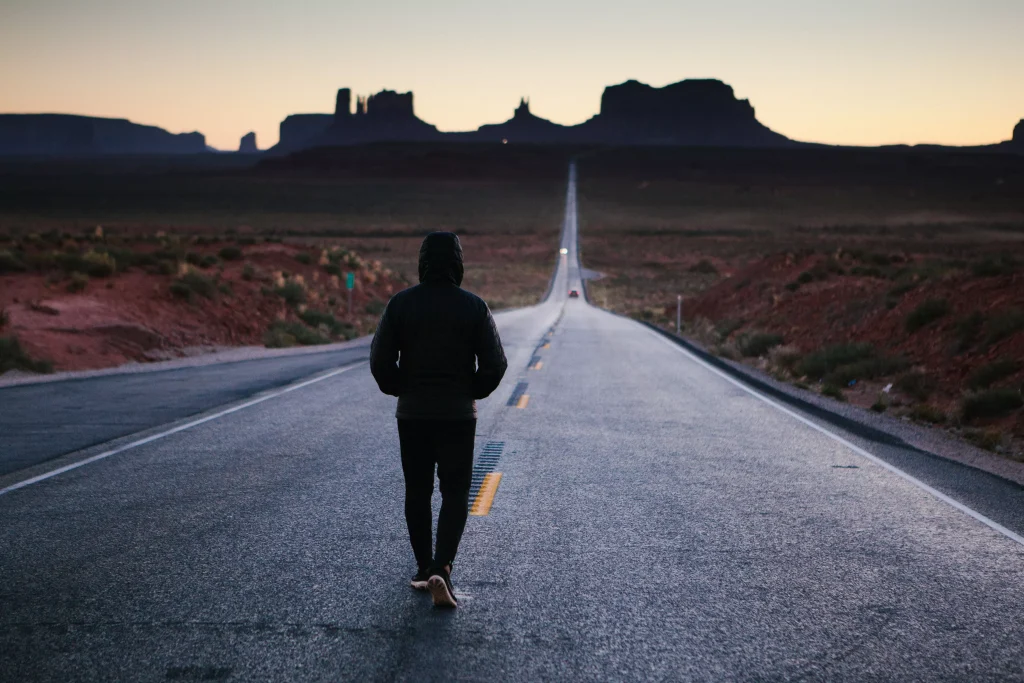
(96, 264)
(991, 403)
(817, 364)
(92, 263)
(324, 320)
(833, 391)
(1003, 325)
(292, 292)
(78, 282)
(10, 263)
(994, 266)
(192, 283)
(727, 327)
(867, 368)
(208, 261)
(989, 374)
(13, 357)
(727, 351)
(791, 286)
(278, 338)
(303, 258)
(917, 385)
(989, 439)
(704, 267)
(805, 277)
(248, 272)
(193, 258)
(967, 330)
(758, 343)
(784, 357)
(927, 413)
(880, 405)
(375, 307)
(702, 331)
(926, 313)
(333, 269)
(246, 241)
(44, 260)
(125, 258)
(230, 253)
(69, 262)
(289, 333)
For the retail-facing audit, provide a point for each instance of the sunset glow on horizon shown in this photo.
(867, 73)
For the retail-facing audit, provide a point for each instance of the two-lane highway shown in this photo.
(653, 520)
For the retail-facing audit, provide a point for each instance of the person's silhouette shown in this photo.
(437, 349)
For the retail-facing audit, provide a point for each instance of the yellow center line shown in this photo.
(484, 499)
(547, 345)
(523, 400)
(538, 366)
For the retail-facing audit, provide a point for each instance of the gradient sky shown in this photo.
(858, 72)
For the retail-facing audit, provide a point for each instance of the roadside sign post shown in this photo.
(350, 283)
(679, 314)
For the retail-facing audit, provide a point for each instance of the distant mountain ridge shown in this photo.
(68, 135)
(695, 112)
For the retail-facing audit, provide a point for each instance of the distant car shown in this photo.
(573, 294)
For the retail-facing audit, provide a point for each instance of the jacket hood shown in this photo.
(441, 258)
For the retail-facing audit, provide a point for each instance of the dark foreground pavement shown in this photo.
(39, 422)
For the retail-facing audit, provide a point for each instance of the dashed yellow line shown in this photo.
(484, 499)
(547, 345)
(538, 366)
(523, 400)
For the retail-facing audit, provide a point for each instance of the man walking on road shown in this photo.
(437, 349)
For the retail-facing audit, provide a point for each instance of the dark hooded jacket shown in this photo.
(437, 348)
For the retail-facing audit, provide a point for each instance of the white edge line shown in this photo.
(175, 430)
(996, 526)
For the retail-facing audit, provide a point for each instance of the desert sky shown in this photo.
(863, 72)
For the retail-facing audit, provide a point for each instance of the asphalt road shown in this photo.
(653, 521)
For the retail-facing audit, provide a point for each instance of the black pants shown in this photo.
(448, 444)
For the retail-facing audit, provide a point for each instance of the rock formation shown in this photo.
(298, 131)
(695, 112)
(343, 104)
(248, 144)
(70, 135)
(523, 127)
(385, 116)
(692, 112)
(1018, 133)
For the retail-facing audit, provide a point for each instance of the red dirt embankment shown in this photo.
(948, 336)
(162, 306)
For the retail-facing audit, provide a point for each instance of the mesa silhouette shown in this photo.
(691, 112)
(71, 135)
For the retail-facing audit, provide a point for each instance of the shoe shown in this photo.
(440, 586)
(419, 582)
